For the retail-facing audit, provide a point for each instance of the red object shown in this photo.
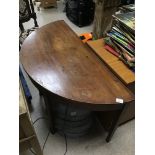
(111, 50)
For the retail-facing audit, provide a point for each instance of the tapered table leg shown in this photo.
(50, 115)
(116, 123)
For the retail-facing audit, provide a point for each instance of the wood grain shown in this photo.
(116, 65)
(56, 59)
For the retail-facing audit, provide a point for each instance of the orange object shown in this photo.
(86, 36)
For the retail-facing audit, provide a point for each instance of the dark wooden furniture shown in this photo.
(26, 12)
(27, 135)
(66, 70)
(123, 73)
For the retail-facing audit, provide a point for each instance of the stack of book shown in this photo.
(127, 8)
(120, 40)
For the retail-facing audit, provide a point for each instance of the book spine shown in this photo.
(120, 41)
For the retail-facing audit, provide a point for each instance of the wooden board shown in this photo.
(116, 65)
(22, 106)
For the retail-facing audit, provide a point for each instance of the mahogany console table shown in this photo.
(66, 70)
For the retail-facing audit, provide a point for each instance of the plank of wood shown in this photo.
(22, 106)
(26, 139)
(116, 65)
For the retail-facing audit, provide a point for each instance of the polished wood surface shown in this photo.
(116, 65)
(56, 59)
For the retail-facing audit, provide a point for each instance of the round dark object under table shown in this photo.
(72, 121)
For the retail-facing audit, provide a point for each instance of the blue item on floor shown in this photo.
(25, 86)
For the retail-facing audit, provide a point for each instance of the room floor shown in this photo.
(123, 141)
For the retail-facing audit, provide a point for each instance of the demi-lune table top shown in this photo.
(55, 58)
